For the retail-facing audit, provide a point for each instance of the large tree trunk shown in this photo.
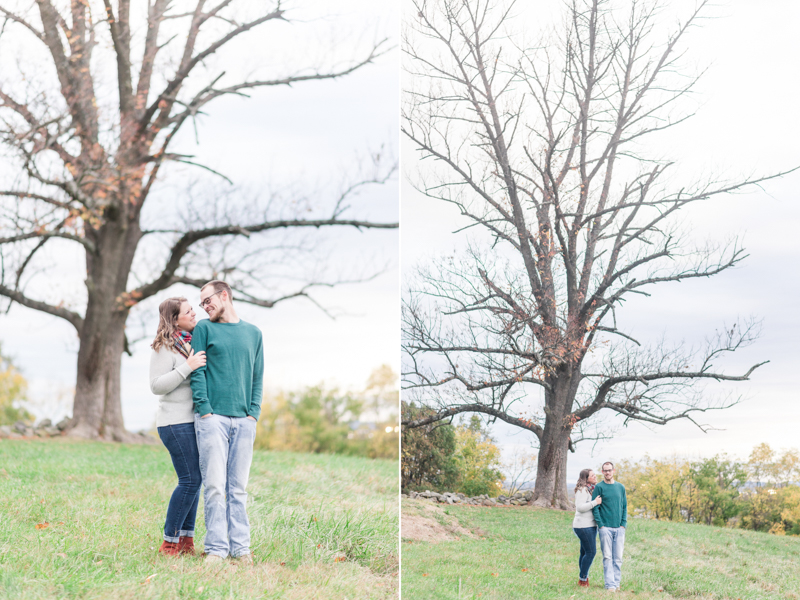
(97, 409)
(551, 475)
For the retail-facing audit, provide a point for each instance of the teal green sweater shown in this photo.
(232, 382)
(613, 512)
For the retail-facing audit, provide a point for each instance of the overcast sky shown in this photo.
(747, 123)
(310, 137)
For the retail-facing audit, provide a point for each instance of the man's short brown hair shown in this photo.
(219, 286)
(608, 462)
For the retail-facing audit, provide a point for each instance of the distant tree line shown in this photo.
(445, 457)
(323, 419)
(761, 494)
(12, 393)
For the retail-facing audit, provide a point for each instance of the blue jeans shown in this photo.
(225, 445)
(587, 537)
(612, 543)
(181, 442)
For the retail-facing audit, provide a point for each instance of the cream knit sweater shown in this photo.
(169, 379)
(583, 509)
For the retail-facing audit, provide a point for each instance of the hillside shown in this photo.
(521, 552)
(84, 520)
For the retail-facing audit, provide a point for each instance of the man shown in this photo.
(612, 518)
(227, 403)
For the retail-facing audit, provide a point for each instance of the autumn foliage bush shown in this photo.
(12, 393)
(443, 457)
(322, 419)
(761, 494)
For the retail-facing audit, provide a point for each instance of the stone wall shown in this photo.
(518, 499)
(21, 429)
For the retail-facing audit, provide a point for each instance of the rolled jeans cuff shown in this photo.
(181, 533)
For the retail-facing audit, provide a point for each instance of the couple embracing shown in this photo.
(209, 375)
(600, 508)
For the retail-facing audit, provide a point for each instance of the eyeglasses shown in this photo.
(607, 470)
(207, 301)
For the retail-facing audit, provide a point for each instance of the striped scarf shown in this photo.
(182, 341)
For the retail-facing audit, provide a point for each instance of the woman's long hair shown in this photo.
(583, 480)
(168, 312)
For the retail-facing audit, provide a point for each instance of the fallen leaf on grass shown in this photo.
(99, 562)
(62, 555)
(523, 570)
(319, 545)
(149, 577)
(494, 574)
(42, 525)
(339, 559)
(424, 574)
(200, 589)
(283, 564)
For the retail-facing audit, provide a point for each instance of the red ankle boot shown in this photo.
(169, 548)
(186, 545)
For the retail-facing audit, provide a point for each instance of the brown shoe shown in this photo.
(582, 583)
(186, 545)
(169, 549)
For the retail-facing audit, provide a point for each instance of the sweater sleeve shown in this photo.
(624, 508)
(583, 501)
(596, 509)
(258, 381)
(202, 405)
(163, 377)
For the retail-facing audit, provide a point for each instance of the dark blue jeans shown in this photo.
(588, 538)
(181, 442)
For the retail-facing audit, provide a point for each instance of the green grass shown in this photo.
(322, 526)
(682, 560)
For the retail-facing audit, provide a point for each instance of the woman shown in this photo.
(584, 525)
(170, 365)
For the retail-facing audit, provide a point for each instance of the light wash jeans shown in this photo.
(225, 445)
(612, 543)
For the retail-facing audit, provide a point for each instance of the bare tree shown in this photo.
(518, 470)
(542, 149)
(89, 157)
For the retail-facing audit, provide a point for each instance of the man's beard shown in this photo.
(217, 315)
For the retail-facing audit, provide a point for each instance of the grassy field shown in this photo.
(510, 553)
(84, 520)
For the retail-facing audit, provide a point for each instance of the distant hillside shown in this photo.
(508, 553)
